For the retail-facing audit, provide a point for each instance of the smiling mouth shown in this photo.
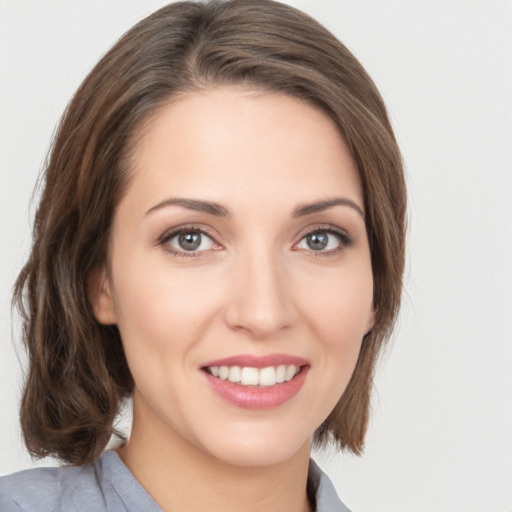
(248, 376)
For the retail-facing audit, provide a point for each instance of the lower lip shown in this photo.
(257, 397)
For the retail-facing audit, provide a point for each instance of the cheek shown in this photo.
(342, 305)
(340, 314)
(156, 320)
(161, 312)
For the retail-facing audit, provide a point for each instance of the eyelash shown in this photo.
(164, 240)
(345, 240)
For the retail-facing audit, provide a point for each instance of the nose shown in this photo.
(261, 295)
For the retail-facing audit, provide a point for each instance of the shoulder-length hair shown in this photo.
(78, 374)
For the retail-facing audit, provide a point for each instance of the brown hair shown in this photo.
(78, 372)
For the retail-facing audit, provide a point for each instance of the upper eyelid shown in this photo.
(323, 227)
(163, 241)
(174, 231)
(346, 240)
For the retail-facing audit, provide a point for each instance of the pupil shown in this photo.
(317, 241)
(189, 241)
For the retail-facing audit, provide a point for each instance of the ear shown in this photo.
(100, 296)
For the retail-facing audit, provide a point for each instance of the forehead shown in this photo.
(235, 145)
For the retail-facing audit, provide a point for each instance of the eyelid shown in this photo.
(346, 240)
(169, 234)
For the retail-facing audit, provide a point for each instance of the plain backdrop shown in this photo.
(440, 437)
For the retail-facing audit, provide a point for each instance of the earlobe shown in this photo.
(100, 297)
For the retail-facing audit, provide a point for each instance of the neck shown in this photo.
(182, 477)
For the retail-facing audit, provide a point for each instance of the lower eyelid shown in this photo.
(164, 241)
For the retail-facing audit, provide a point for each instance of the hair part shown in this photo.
(78, 374)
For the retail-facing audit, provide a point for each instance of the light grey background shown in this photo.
(441, 432)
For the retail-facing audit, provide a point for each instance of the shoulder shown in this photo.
(49, 489)
(105, 485)
(321, 488)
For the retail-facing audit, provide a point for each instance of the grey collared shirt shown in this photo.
(107, 485)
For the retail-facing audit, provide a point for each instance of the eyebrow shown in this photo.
(193, 204)
(320, 206)
(219, 210)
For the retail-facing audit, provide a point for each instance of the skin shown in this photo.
(254, 287)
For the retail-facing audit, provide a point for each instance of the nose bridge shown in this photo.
(261, 301)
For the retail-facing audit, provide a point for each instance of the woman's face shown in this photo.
(239, 251)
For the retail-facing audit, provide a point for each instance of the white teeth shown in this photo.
(290, 372)
(248, 376)
(281, 373)
(267, 376)
(235, 374)
(223, 372)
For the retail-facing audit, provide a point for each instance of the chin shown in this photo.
(258, 449)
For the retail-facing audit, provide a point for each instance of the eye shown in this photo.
(324, 241)
(187, 242)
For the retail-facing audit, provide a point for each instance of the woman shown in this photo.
(221, 238)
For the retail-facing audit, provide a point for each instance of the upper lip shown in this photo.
(254, 361)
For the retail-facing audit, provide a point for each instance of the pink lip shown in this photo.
(254, 397)
(253, 361)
